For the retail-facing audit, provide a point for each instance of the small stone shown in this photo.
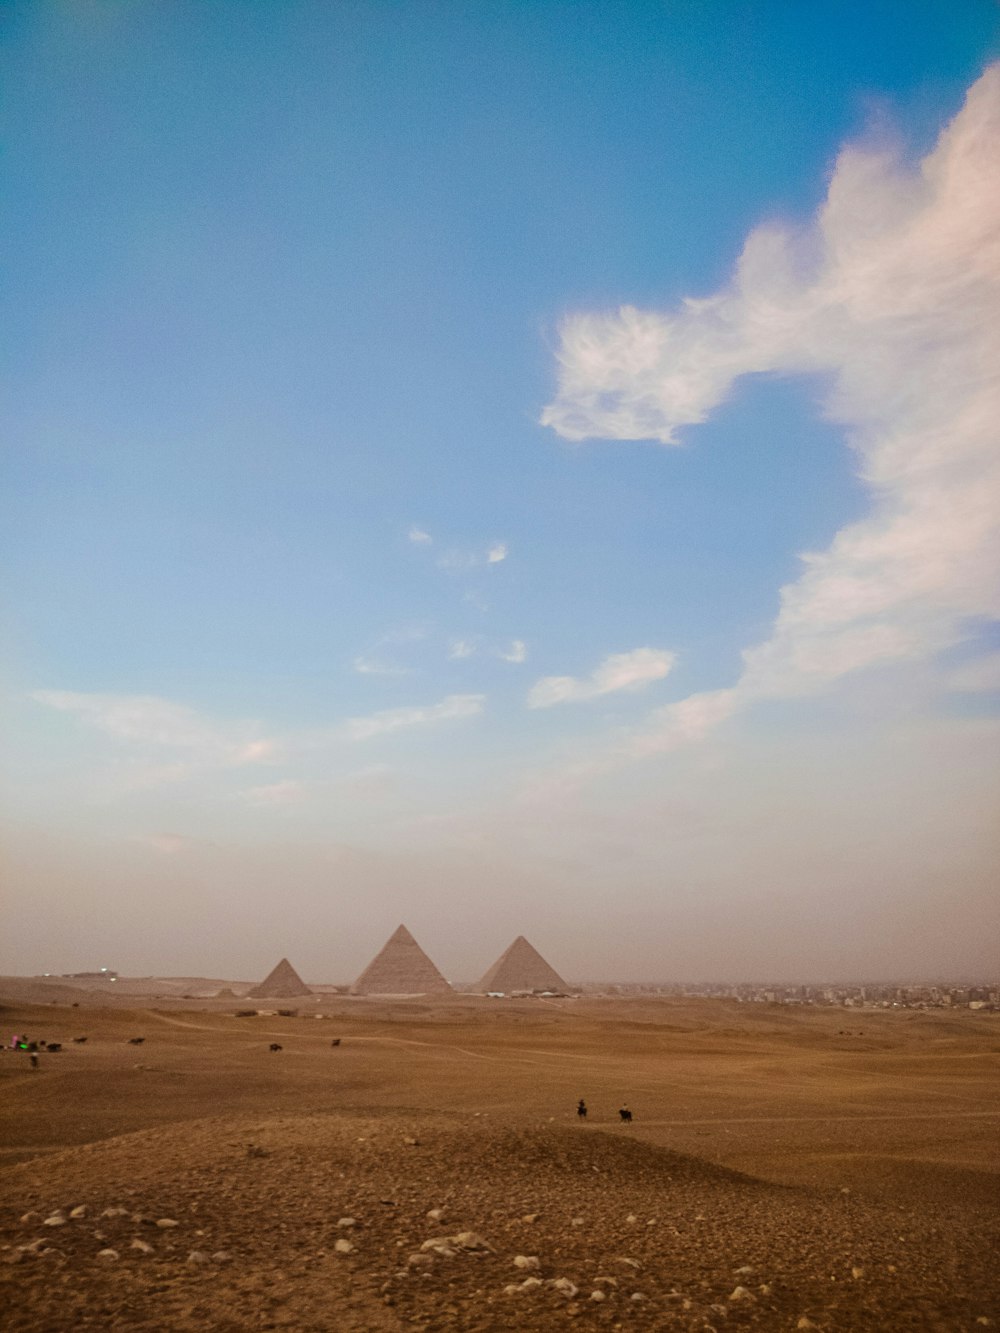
(512, 1289)
(27, 1219)
(530, 1283)
(345, 1222)
(806, 1322)
(165, 1223)
(652, 1222)
(439, 1245)
(741, 1294)
(417, 1260)
(79, 1211)
(107, 1254)
(563, 1285)
(631, 1219)
(857, 1272)
(343, 1246)
(637, 1296)
(222, 1257)
(470, 1240)
(56, 1220)
(197, 1257)
(577, 1222)
(529, 1262)
(745, 1269)
(606, 1281)
(141, 1246)
(435, 1215)
(410, 1142)
(530, 1217)
(115, 1212)
(765, 1288)
(985, 1321)
(598, 1295)
(632, 1263)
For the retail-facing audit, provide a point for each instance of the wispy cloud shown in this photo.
(288, 792)
(893, 294)
(460, 648)
(980, 676)
(395, 719)
(419, 537)
(496, 553)
(152, 721)
(620, 671)
(517, 652)
(371, 666)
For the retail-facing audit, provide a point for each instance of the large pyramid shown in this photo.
(401, 968)
(283, 983)
(521, 967)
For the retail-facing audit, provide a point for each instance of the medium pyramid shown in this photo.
(283, 983)
(521, 967)
(401, 968)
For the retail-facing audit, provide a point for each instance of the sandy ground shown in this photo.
(785, 1169)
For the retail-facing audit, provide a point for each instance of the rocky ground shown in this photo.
(356, 1225)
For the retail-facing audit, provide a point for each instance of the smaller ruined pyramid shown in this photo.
(521, 967)
(401, 968)
(283, 983)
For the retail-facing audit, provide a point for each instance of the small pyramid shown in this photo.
(521, 967)
(401, 968)
(283, 983)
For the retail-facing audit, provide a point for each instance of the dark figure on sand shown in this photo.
(626, 1115)
(581, 1109)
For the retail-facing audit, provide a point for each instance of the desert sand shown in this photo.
(785, 1169)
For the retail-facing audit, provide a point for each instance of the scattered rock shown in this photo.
(27, 1219)
(435, 1215)
(637, 1296)
(563, 1285)
(631, 1219)
(598, 1295)
(411, 1142)
(165, 1223)
(606, 1281)
(222, 1257)
(530, 1283)
(346, 1222)
(197, 1257)
(529, 1262)
(142, 1246)
(418, 1260)
(439, 1245)
(741, 1294)
(857, 1271)
(56, 1220)
(343, 1246)
(745, 1269)
(806, 1322)
(470, 1240)
(530, 1217)
(107, 1254)
(79, 1211)
(577, 1222)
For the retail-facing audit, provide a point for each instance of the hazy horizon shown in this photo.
(527, 471)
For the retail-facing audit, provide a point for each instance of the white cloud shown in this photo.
(419, 537)
(370, 666)
(460, 648)
(892, 293)
(517, 652)
(395, 719)
(149, 720)
(496, 553)
(620, 671)
(287, 792)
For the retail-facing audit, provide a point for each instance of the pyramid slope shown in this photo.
(521, 967)
(400, 968)
(281, 983)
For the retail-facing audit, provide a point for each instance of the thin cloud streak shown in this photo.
(893, 293)
(453, 707)
(620, 671)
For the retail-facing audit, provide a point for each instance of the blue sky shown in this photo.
(368, 560)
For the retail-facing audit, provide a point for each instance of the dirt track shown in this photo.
(856, 1176)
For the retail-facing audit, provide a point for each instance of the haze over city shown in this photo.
(504, 469)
